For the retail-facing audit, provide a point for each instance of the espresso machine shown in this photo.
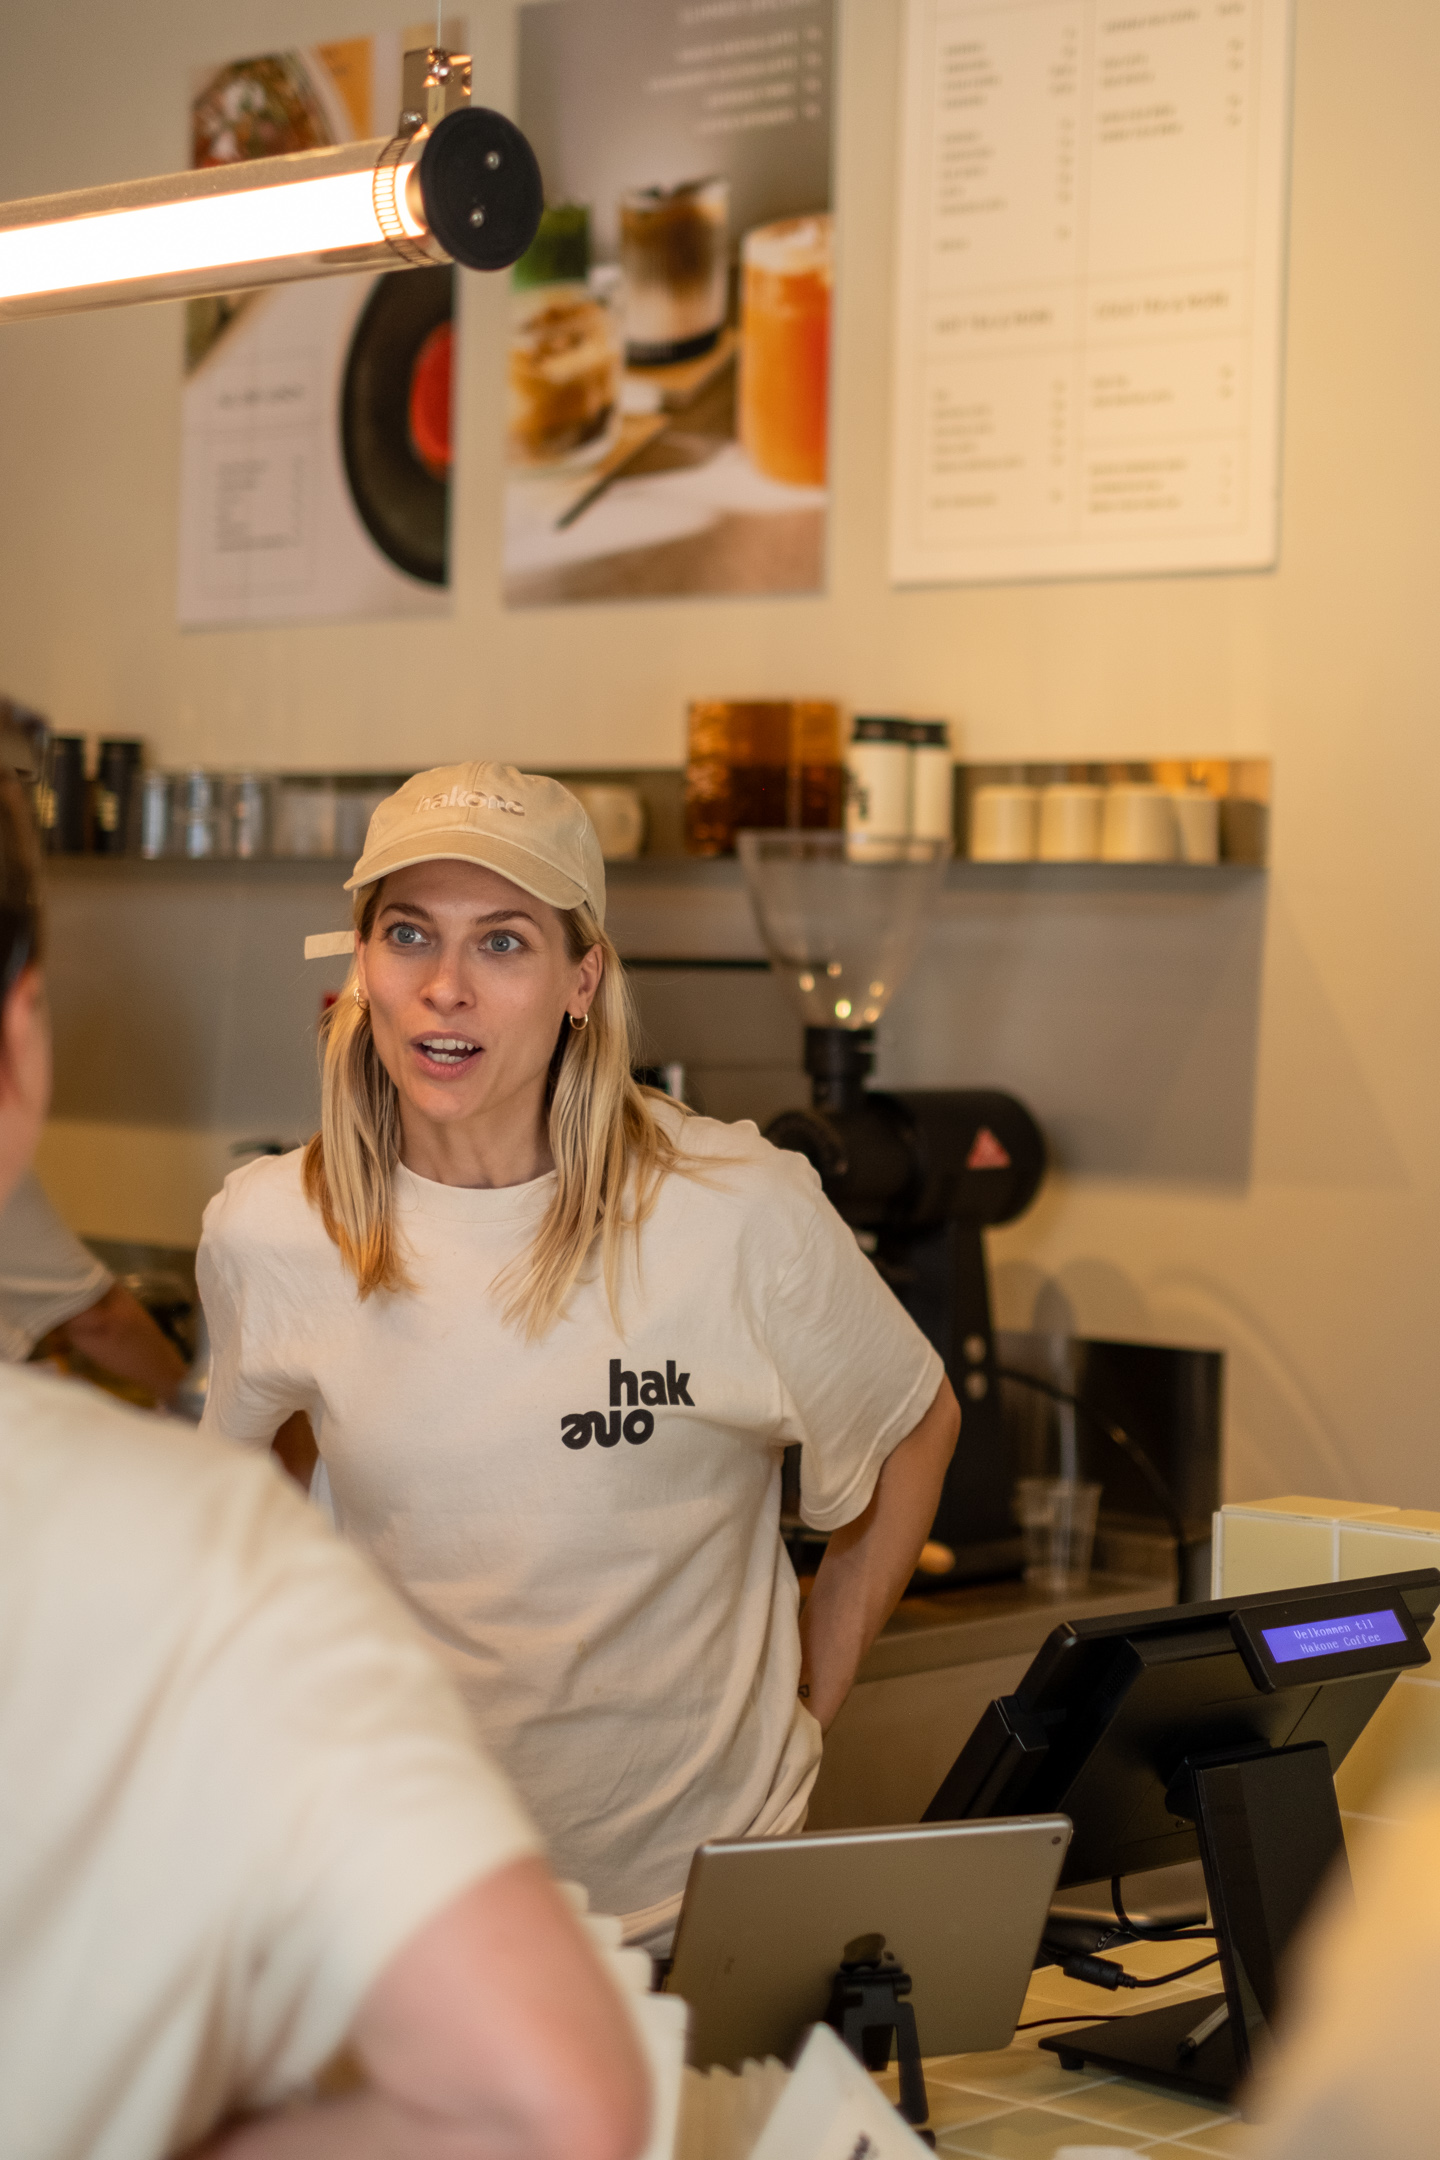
(920, 1173)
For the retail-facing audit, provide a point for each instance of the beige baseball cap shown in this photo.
(528, 828)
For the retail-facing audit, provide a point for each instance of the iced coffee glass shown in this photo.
(786, 279)
(674, 254)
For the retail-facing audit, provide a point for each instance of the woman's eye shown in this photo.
(404, 934)
(502, 941)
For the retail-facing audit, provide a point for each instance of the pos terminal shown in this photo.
(1216, 1729)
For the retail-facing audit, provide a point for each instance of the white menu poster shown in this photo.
(1091, 288)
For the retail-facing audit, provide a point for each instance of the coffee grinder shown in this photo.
(918, 1173)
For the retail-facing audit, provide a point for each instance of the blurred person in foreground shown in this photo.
(1356, 2078)
(244, 1818)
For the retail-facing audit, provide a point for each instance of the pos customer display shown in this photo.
(1211, 1728)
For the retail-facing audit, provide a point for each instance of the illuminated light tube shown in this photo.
(468, 192)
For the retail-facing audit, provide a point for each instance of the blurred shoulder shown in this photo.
(147, 1556)
(72, 1459)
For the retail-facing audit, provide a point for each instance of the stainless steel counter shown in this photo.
(931, 1672)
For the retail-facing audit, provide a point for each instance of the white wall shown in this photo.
(1316, 1268)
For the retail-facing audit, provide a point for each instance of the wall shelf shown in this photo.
(1243, 786)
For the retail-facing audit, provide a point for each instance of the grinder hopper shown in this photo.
(918, 1173)
(841, 926)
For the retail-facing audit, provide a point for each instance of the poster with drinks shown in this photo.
(315, 454)
(669, 347)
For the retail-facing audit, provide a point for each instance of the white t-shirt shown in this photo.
(588, 1525)
(46, 1274)
(233, 1782)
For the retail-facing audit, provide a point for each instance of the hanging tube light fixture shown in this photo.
(456, 183)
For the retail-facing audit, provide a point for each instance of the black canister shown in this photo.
(116, 800)
(61, 799)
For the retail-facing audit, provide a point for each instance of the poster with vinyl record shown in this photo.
(316, 429)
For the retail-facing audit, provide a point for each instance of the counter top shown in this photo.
(993, 1620)
(1018, 2104)
(929, 1677)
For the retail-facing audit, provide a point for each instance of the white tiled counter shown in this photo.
(1283, 1544)
(1019, 2104)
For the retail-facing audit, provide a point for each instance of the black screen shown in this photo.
(1102, 1724)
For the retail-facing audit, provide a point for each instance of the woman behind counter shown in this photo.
(553, 1333)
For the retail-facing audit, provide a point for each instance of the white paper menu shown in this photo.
(1091, 285)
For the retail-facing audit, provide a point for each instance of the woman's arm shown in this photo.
(494, 2034)
(868, 1563)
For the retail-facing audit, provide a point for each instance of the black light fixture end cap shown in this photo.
(481, 188)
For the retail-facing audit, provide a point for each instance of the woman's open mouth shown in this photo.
(446, 1053)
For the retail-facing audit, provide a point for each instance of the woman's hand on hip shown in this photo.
(868, 1563)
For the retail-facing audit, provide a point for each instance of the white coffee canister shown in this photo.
(877, 788)
(1070, 814)
(1002, 824)
(1197, 822)
(932, 807)
(1139, 824)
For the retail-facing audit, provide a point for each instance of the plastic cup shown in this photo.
(1057, 1520)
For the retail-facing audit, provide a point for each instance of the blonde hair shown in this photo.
(611, 1151)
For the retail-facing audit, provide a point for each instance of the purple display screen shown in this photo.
(1332, 1638)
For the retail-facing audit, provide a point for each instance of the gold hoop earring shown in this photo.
(362, 1002)
(579, 1021)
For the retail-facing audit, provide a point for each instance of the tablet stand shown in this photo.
(1269, 1832)
(868, 2006)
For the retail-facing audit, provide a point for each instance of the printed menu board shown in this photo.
(1091, 286)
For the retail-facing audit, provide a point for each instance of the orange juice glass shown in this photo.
(787, 273)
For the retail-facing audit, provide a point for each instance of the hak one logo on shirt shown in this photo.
(579, 1427)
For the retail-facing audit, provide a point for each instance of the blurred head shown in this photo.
(24, 1023)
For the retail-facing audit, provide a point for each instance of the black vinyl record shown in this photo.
(403, 501)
